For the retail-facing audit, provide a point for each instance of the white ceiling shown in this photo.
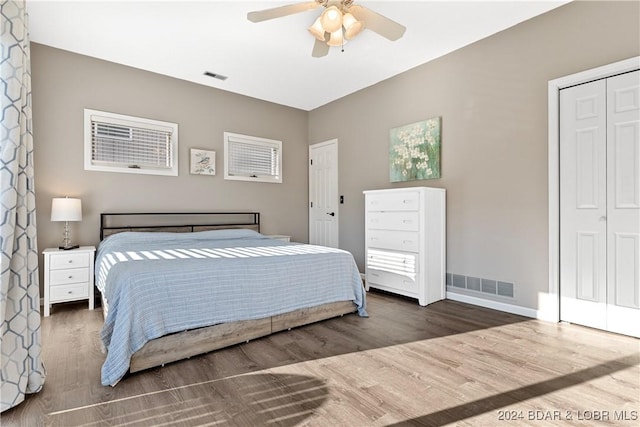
(270, 60)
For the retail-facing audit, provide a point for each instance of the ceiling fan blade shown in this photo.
(278, 12)
(320, 48)
(382, 25)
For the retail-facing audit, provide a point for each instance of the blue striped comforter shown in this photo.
(160, 283)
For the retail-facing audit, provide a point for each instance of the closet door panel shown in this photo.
(623, 203)
(583, 204)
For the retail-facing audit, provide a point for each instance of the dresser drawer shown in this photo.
(395, 262)
(69, 260)
(69, 292)
(407, 241)
(397, 201)
(401, 221)
(67, 276)
(387, 279)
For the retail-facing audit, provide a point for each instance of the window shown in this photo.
(118, 143)
(247, 158)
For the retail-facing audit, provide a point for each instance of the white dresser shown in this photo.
(405, 242)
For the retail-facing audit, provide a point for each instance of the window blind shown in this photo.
(130, 146)
(253, 158)
(119, 143)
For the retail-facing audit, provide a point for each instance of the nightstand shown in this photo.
(68, 276)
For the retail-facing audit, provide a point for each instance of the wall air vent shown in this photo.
(215, 75)
(476, 284)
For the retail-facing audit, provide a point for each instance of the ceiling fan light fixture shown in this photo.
(336, 38)
(352, 26)
(317, 30)
(336, 24)
(331, 19)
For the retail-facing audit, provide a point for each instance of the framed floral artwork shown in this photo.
(203, 162)
(414, 151)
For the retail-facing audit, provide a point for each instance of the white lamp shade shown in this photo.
(66, 209)
(331, 19)
(352, 26)
(317, 30)
(336, 39)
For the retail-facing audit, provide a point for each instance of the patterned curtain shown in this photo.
(22, 369)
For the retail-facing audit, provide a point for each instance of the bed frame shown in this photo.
(183, 345)
(176, 222)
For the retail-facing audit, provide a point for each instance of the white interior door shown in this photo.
(583, 205)
(599, 204)
(323, 194)
(623, 203)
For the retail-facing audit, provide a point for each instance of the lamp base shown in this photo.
(66, 248)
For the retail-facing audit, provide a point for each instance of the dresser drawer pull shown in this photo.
(69, 292)
(70, 277)
(407, 241)
(407, 221)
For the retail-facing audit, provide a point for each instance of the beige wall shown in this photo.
(65, 83)
(492, 97)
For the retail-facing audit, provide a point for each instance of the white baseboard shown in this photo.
(495, 305)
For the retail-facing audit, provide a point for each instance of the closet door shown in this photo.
(600, 204)
(583, 205)
(623, 203)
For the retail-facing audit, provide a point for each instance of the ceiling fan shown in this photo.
(341, 20)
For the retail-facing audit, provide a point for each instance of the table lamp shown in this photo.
(66, 209)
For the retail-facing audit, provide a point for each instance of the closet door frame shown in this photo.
(549, 304)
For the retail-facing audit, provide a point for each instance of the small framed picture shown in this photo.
(203, 162)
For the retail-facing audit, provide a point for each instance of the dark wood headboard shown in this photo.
(177, 222)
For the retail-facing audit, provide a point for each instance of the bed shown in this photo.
(178, 285)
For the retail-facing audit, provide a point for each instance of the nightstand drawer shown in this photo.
(67, 276)
(69, 292)
(69, 260)
(282, 237)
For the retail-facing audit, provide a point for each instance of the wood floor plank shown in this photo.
(445, 364)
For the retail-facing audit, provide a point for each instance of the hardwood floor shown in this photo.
(445, 364)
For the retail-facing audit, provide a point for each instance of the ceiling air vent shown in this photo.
(215, 76)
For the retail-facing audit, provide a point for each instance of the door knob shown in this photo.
(331, 213)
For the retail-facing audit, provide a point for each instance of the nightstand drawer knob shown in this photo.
(70, 277)
(70, 261)
(70, 292)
